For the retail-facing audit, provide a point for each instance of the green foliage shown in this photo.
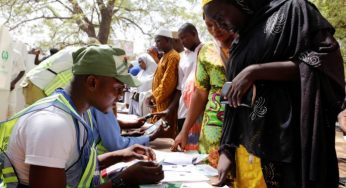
(63, 25)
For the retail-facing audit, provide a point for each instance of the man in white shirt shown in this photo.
(188, 35)
(51, 143)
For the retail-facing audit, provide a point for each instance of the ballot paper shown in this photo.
(180, 158)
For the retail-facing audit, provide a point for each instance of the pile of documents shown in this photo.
(180, 170)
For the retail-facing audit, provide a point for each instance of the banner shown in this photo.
(5, 58)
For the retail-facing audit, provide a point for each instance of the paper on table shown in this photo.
(179, 168)
(196, 185)
(172, 176)
(206, 170)
(179, 157)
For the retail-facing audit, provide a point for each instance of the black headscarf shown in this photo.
(292, 122)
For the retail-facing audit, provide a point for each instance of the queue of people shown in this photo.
(274, 126)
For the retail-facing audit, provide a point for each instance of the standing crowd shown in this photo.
(261, 98)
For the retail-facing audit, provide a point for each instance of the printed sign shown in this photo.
(5, 58)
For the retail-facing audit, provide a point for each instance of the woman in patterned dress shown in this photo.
(210, 76)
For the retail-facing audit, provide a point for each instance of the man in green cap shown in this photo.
(50, 143)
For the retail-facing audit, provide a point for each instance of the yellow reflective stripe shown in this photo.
(12, 179)
(7, 170)
(41, 101)
(90, 119)
(60, 80)
(101, 149)
(65, 102)
(89, 171)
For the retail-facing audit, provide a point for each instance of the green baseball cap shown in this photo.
(103, 60)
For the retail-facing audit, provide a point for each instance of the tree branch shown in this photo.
(83, 23)
(37, 18)
(135, 24)
(64, 5)
(97, 12)
(11, 10)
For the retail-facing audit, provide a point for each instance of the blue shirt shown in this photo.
(107, 129)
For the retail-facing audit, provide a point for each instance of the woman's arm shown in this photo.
(275, 71)
(198, 101)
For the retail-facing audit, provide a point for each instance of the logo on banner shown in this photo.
(4, 55)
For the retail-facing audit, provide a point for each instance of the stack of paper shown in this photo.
(178, 168)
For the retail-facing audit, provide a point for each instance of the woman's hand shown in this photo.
(223, 168)
(180, 141)
(240, 85)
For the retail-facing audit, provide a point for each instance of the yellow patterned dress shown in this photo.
(210, 77)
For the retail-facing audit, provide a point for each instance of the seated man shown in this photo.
(41, 82)
(51, 144)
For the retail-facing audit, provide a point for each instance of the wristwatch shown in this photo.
(118, 182)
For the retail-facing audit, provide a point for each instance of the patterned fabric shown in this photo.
(193, 136)
(210, 76)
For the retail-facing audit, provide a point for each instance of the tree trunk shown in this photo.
(105, 25)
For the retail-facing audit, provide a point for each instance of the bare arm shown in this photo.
(133, 152)
(275, 71)
(40, 176)
(280, 71)
(132, 124)
(37, 61)
(198, 102)
(14, 81)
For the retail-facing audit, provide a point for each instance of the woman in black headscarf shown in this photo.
(287, 50)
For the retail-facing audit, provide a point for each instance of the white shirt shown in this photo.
(44, 138)
(187, 66)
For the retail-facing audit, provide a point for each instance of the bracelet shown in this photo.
(118, 182)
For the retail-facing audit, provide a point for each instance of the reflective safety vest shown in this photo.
(7, 171)
(100, 148)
